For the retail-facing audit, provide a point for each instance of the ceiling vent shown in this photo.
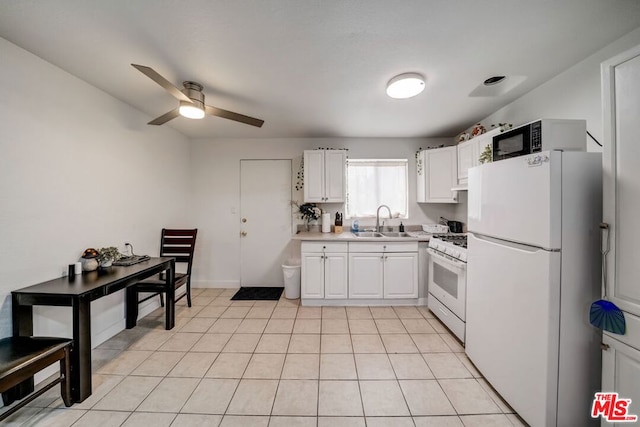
(497, 86)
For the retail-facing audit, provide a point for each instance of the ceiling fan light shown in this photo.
(190, 110)
(405, 85)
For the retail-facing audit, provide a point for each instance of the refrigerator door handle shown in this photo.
(514, 245)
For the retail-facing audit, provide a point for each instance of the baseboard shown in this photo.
(362, 302)
(234, 284)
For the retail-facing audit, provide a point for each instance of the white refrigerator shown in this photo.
(533, 271)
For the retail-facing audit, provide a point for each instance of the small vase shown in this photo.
(106, 264)
(89, 264)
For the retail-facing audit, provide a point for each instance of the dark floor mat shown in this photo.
(258, 293)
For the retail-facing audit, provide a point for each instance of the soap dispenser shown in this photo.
(401, 227)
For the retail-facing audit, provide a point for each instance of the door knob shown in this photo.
(244, 219)
(244, 233)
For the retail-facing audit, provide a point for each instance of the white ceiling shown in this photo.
(317, 68)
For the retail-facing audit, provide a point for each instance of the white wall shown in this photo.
(573, 94)
(216, 192)
(78, 169)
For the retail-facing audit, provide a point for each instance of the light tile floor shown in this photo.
(275, 363)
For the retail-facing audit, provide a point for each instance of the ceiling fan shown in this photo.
(191, 100)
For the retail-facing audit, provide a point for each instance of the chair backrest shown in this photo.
(179, 244)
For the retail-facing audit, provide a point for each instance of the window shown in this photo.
(375, 182)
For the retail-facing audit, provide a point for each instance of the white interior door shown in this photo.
(265, 220)
(622, 192)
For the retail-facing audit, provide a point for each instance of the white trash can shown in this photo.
(291, 272)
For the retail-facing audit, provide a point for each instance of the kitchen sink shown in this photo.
(367, 234)
(396, 234)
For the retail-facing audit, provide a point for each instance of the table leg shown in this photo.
(132, 306)
(170, 307)
(81, 352)
(22, 318)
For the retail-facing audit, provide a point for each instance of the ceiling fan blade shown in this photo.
(219, 112)
(165, 117)
(166, 84)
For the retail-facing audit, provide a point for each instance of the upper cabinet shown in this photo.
(437, 172)
(469, 153)
(324, 176)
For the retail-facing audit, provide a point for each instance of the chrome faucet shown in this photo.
(378, 229)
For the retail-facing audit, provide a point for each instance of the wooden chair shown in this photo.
(21, 358)
(179, 244)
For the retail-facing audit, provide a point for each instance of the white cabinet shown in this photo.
(324, 270)
(401, 275)
(437, 174)
(335, 275)
(366, 275)
(466, 156)
(469, 154)
(621, 163)
(387, 270)
(324, 176)
(312, 279)
(621, 373)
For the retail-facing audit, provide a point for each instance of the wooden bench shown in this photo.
(22, 357)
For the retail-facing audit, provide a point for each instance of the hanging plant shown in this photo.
(300, 176)
(487, 155)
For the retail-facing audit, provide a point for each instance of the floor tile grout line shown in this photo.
(235, 332)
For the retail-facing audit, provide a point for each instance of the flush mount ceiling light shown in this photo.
(405, 85)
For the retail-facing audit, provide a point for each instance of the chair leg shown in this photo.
(161, 300)
(189, 292)
(65, 384)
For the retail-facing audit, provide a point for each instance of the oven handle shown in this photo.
(454, 263)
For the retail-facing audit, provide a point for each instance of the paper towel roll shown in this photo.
(326, 223)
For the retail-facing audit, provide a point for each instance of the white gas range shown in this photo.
(448, 280)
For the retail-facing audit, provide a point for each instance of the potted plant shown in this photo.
(106, 256)
(309, 212)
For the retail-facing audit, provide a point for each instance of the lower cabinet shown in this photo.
(401, 275)
(621, 370)
(383, 275)
(324, 270)
(383, 270)
(359, 270)
(366, 275)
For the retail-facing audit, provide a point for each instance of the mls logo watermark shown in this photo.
(612, 408)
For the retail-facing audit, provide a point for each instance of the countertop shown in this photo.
(347, 236)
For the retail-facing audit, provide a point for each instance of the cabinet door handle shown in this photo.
(244, 233)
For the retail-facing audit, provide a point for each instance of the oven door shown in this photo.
(448, 282)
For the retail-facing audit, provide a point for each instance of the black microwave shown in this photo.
(541, 135)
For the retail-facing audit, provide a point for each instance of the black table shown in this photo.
(78, 293)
